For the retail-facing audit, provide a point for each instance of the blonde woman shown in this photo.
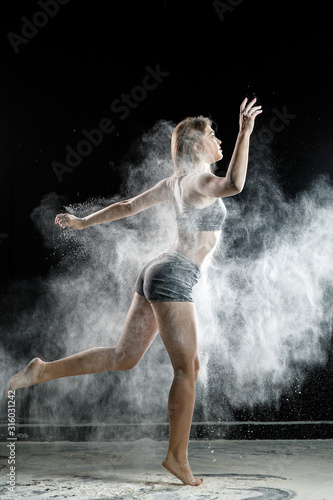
(163, 293)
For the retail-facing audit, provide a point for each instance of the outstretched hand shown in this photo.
(68, 220)
(248, 114)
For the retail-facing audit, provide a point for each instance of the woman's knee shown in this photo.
(125, 360)
(188, 368)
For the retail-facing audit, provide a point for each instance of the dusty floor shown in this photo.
(232, 470)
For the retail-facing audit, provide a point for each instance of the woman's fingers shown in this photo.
(248, 114)
(242, 106)
(61, 220)
(256, 113)
(248, 109)
(68, 220)
(254, 110)
(249, 105)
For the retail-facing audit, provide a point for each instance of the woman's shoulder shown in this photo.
(196, 178)
(189, 180)
(170, 182)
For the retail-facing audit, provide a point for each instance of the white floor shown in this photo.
(232, 470)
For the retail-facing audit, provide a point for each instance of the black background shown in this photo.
(66, 77)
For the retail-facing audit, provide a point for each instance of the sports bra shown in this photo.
(210, 218)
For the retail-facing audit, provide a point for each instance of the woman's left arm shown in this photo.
(236, 173)
(156, 195)
(210, 185)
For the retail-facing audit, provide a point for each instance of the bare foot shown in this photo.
(32, 374)
(181, 470)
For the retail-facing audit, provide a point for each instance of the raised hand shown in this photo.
(248, 114)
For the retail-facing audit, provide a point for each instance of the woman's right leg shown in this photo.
(178, 330)
(139, 331)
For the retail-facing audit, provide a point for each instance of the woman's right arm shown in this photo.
(154, 196)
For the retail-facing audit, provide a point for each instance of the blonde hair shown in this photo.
(186, 134)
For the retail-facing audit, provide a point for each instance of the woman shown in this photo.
(163, 295)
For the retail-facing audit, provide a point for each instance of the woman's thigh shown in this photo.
(139, 331)
(177, 323)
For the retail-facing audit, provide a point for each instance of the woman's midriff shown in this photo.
(197, 246)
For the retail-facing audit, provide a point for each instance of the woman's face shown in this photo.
(211, 149)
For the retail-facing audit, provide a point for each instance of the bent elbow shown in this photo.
(234, 189)
(231, 187)
(238, 188)
(127, 207)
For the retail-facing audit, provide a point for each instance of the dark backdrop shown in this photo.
(64, 68)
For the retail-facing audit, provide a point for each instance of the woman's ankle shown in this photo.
(179, 456)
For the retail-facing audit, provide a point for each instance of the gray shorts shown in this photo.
(168, 278)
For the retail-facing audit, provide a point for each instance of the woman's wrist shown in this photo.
(83, 222)
(244, 133)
